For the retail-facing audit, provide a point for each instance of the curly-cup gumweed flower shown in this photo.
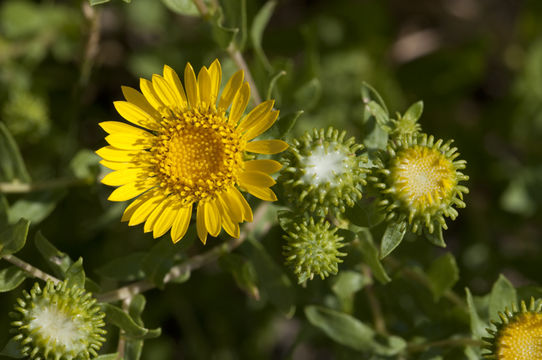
(186, 146)
(419, 178)
(58, 322)
(324, 172)
(312, 248)
(518, 336)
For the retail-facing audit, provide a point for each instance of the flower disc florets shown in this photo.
(518, 336)
(58, 322)
(418, 178)
(324, 173)
(313, 249)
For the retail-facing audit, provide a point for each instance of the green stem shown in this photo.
(193, 263)
(19, 188)
(376, 310)
(444, 343)
(35, 272)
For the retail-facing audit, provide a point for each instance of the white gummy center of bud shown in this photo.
(58, 327)
(323, 165)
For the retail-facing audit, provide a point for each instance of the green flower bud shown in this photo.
(518, 335)
(418, 179)
(313, 249)
(58, 322)
(323, 172)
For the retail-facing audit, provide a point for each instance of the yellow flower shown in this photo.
(187, 148)
(518, 335)
(419, 179)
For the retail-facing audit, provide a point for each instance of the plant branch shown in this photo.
(376, 310)
(235, 55)
(92, 14)
(444, 343)
(193, 263)
(20, 188)
(35, 272)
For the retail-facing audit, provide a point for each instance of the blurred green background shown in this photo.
(476, 64)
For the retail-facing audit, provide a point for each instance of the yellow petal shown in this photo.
(115, 165)
(155, 215)
(231, 88)
(239, 105)
(262, 126)
(263, 193)
(215, 71)
(204, 84)
(112, 154)
(256, 115)
(165, 220)
(266, 146)
(212, 218)
(130, 141)
(134, 205)
(131, 190)
(200, 223)
(112, 127)
(255, 178)
(247, 211)
(175, 84)
(135, 97)
(265, 165)
(136, 115)
(152, 97)
(232, 206)
(124, 176)
(164, 92)
(181, 222)
(231, 227)
(191, 86)
(141, 213)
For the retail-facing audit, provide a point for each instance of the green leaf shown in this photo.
(12, 349)
(11, 278)
(112, 356)
(75, 274)
(503, 295)
(58, 261)
(159, 260)
(242, 271)
(287, 122)
(443, 274)
(392, 237)
(85, 165)
(345, 285)
(12, 167)
(349, 331)
(13, 238)
(368, 93)
(97, 2)
(125, 322)
(273, 82)
(477, 326)
(36, 206)
(4, 212)
(256, 32)
(378, 113)
(235, 16)
(182, 7)
(134, 347)
(436, 237)
(272, 281)
(125, 268)
(414, 112)
(369, 253)
(224, 36)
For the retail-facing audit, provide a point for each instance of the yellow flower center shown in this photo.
(521, 338)
(423, 177)
(197, 155)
